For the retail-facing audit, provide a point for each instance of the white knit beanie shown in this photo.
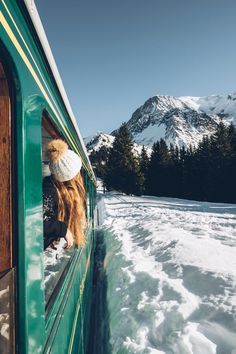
(64, 164)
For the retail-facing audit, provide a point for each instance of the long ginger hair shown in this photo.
(71, 195)
(71, 206)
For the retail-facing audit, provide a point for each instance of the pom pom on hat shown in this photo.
(64, 164)
(56, 149)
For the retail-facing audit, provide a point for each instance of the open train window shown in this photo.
(56, 257)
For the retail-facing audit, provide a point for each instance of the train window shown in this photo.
(56, 258)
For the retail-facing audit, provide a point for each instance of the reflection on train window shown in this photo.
(56, 257)
(56, 260)
(7, 311)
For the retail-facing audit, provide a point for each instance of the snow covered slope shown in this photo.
(170, 275)
(95, 142)
(180, 120)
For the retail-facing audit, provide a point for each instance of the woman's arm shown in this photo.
(69, 239)
(53, 229)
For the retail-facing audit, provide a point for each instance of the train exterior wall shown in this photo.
(64, 328)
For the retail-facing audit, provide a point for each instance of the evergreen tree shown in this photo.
(99, 160)
(151, 185)
(203, 186)
(207, 172)
(123, 172)
(158, 177)
(182, 171)
(144, 164)
(232, 170)
(220, 163)
(189, 174)
(174, 171)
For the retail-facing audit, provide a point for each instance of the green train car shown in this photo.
(44, 295)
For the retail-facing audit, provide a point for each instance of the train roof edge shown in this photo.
(38, 26)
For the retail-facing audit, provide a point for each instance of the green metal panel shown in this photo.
(35, 91)
(70, 318)
(29, 211)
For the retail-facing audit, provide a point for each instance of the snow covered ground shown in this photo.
(170, 268)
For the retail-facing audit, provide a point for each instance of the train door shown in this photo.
(7, 270)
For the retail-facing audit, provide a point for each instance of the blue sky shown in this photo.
(114, 54)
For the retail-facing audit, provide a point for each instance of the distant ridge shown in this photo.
(182, 121)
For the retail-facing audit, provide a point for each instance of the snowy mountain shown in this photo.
(95, 142)
(179, 120)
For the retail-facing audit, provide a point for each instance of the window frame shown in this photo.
(48, 124)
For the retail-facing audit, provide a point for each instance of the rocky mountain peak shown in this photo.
(179, 120)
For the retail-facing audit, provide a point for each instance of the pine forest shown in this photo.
(206, 172)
